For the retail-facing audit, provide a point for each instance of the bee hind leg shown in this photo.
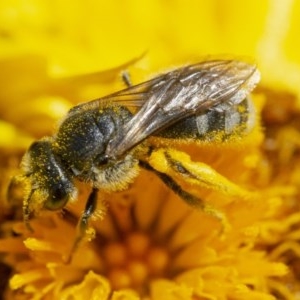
(193, 201)
(83, 222)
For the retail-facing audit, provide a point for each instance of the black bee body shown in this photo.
(104, 142)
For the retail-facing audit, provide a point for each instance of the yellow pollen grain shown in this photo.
(119, 278)
(138, 271)
(157, 260)
(115, 254)
(137, 244)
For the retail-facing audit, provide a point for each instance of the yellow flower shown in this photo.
(145, 242)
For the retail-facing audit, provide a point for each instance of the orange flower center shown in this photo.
(133, 262)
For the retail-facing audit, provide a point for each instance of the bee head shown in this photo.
(50, 183)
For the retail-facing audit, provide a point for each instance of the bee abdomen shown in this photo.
(220, 122)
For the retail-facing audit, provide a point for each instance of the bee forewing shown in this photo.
(181, 93)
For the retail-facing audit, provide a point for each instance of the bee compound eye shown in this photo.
(58, 197)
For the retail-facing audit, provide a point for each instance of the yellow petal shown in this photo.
(93, 287)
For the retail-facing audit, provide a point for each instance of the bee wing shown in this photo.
(134, 96)
(178, 94)
(173, 96)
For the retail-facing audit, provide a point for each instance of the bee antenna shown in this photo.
(27, 212)
(126, 78)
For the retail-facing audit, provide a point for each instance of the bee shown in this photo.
(105, 142)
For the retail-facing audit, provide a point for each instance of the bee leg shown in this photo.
(27, 212)
(179, 165)
(191, 200)
(126, 78)
(14, 200)
(82, 224)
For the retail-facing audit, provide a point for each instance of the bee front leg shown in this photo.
(83, 222)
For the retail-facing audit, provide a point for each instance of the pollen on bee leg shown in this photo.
(179, 166)
(90, 234)
(99, 214)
